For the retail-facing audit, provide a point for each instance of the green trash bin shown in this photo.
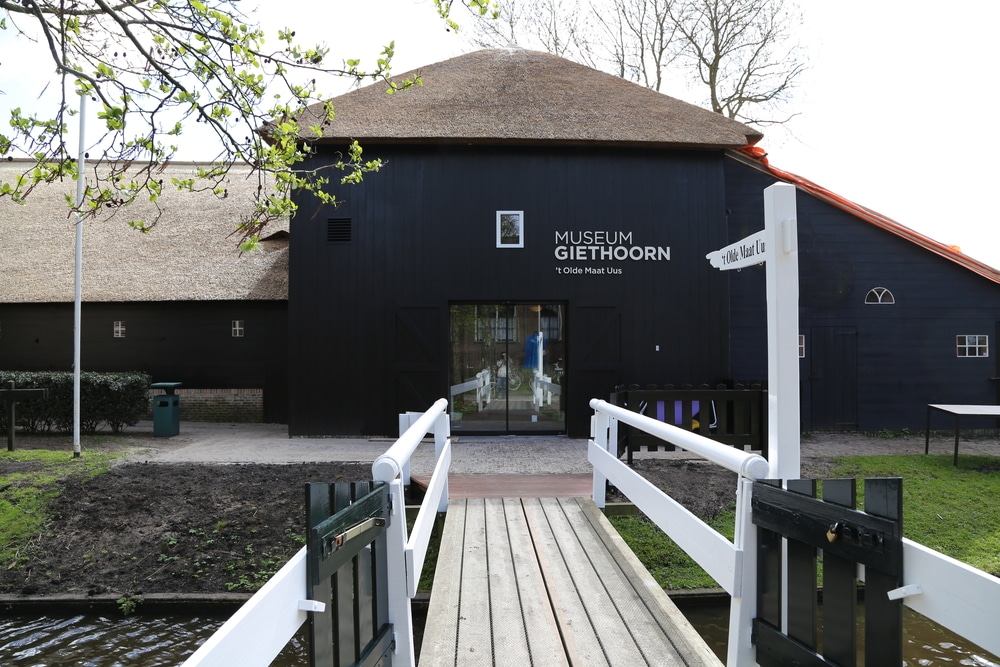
(166, 410)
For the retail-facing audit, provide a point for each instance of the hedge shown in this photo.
(115, 400)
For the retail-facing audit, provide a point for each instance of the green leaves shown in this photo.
(156, 69)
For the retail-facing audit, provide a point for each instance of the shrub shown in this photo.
(116, 400)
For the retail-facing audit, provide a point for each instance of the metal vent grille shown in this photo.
(338, 230)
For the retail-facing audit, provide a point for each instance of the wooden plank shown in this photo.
(579, 635)
(840, 587)
(544, 637)
(507, 624)
(626, 626)
(673, 624)
(441, 631)
(475, 638)
(548, 582)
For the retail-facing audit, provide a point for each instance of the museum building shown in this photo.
(535, 219)
(527, 198)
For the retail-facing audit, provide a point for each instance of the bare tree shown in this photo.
(560, 27)
(742, 51)
(640, 40)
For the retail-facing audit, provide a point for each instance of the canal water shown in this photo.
(925, 643)
(90, 640)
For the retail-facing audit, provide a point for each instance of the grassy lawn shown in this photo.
(29, 480)
(954, 510)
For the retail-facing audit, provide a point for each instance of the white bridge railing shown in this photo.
(732, 564)
(261, 628)
(480, 384)
(954, 595)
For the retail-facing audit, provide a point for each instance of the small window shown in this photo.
(802, 346)
(967, 345)
(880, 295)
(237, 328)
(119, 329)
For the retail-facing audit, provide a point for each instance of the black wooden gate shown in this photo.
(346, 569)
(847, 537)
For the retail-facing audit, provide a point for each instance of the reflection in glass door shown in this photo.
(508, 365)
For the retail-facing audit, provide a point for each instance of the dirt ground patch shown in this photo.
(201, 528)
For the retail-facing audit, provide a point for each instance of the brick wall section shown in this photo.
(219, 405)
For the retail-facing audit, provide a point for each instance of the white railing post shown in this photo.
(442, 434)
(743, 604)
(400, 612)
(402, 562)
(600, 427)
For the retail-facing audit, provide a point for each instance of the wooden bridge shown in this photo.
(548, 581)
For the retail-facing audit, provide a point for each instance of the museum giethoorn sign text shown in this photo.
(602, 247)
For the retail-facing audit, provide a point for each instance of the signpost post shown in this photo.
(10, 396)
(776, 246)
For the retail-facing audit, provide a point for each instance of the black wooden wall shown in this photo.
(369, 317)
(187, 342)
(883, 363)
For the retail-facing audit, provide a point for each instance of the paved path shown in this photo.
(203, 442)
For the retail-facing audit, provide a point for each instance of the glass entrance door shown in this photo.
(508, 365)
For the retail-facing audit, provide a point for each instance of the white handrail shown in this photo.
(732, 564)
(390, 465)
(952, 594)
(947, 591)
(259, 629)
(749, 465)
(405, 554)
(257, 632)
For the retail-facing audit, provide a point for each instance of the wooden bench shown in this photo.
(548, 581)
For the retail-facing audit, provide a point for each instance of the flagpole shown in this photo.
(78, 291)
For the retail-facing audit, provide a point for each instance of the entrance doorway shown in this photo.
(508, 368)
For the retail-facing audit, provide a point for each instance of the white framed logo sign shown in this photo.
(510, 229)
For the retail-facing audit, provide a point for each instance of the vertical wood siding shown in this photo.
(906, 351)
(425, 236)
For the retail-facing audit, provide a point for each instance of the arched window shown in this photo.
(880, 295)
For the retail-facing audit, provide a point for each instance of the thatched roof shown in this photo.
(190, 255)
(519, 96)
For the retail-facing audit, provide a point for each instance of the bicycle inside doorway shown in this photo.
(508, 364)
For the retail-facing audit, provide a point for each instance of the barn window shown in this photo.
(880, 295)
(499, 326)
(237, 328)
(802, 346)
(119, 329)
(967, 345)
(338, 231)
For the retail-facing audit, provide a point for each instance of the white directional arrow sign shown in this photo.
(748, 252)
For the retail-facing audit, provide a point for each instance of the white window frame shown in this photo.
(975, 346)
(119, 329)
(880, 296)
(238, 328)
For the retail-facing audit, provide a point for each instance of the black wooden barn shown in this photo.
(524, 198)
(526, 195)
(179, 303)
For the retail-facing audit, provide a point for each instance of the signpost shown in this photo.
(11, 396)
(776, 246)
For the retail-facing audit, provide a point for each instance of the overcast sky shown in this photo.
(894, 110)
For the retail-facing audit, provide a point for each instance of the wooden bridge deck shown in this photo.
(548, 581)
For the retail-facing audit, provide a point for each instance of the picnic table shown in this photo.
(958, 411)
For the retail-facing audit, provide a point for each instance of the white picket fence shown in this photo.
(954, 595)
(261, 628)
